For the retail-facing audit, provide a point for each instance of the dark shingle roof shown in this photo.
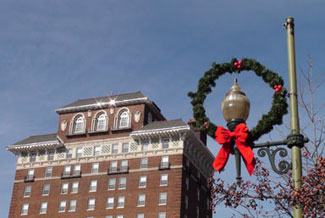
(163, 124)
(89, 101)
(38, 138)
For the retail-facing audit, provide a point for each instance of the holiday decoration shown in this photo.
(279, 104)
(240, 135)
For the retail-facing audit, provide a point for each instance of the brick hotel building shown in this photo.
(113, 157)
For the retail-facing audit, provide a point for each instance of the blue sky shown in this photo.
(54, 52)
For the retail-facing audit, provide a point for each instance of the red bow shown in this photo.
(224, 136)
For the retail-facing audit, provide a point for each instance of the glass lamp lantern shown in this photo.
(235, 106)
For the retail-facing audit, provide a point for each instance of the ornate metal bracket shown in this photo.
(283, 165)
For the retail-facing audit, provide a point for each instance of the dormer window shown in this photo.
(78, 124)
(123, 119)
(100, 122)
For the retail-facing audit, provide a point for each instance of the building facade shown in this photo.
(113, 157)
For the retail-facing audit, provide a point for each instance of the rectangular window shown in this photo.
(162, 215)
(114, 148)
(111, 184)
(125, 147)
(50, 155)
(110, 203)
(64, 188)
(67, 170)
(32, 157)
(30, 174)
(74, 188)
(144, 163)
(145, 145)
(73, 205)
(24, 209)
(97, 150)
(165, 143)
(91, 204)
(79, 152)
(163, 198)
(124, 165)
(122, 183)
(163, 179)
(94, 168)
(186, 202)
(48, 172)
(119, 216)
(143, 182)
(120, 201)
(77, 170)
(140, 215)
(141, 200)
(164, 162)
(27, 191)
(62, 206)
(93, 186)
(43, 209)
(69, 153)
(46, 189)
(113, 166)
(109, 216)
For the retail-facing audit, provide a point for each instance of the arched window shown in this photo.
(101, 122)
(124, 119)
(78, 124)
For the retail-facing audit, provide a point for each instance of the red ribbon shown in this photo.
(224, 136)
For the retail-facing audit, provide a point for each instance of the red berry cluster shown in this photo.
(277, 87)
(206, 125)
(238, 64)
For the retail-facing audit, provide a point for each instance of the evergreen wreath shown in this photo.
(279, 104)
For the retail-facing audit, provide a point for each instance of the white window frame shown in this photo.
(31, 174)
(93, 186)
(72, 205)
(125, 147)
(32, 157)
(120, 202)
(67, 170)
(114, 148)
(27, 193)
(141, 200)
(162, 198)
(144, 163)
(124, 165)
(91, 204)
(162, 215)
(94, 168)
(24, 209)
(79, 152)
(64, 188)
(122, 185)
(164, 161)
(97, 150)
(74, 187)
(62, 206)
(78, 124)
(124, 119)
(50, 154)
(43, 208)
(77, 169)
(110, 203)
(145, 145)
(140, 215)
(163, 182)
(165, 143)
(111, 184)
(142, 181)
(68, 153)
(101, 121)
(119, 216)
(113, 166)
(45, 189)
(48, 172)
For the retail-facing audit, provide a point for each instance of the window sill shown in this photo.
(93, 132)
(76, 134)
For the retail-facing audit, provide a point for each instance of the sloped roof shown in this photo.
(164, 124)
(38, 139)
(106, 99)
